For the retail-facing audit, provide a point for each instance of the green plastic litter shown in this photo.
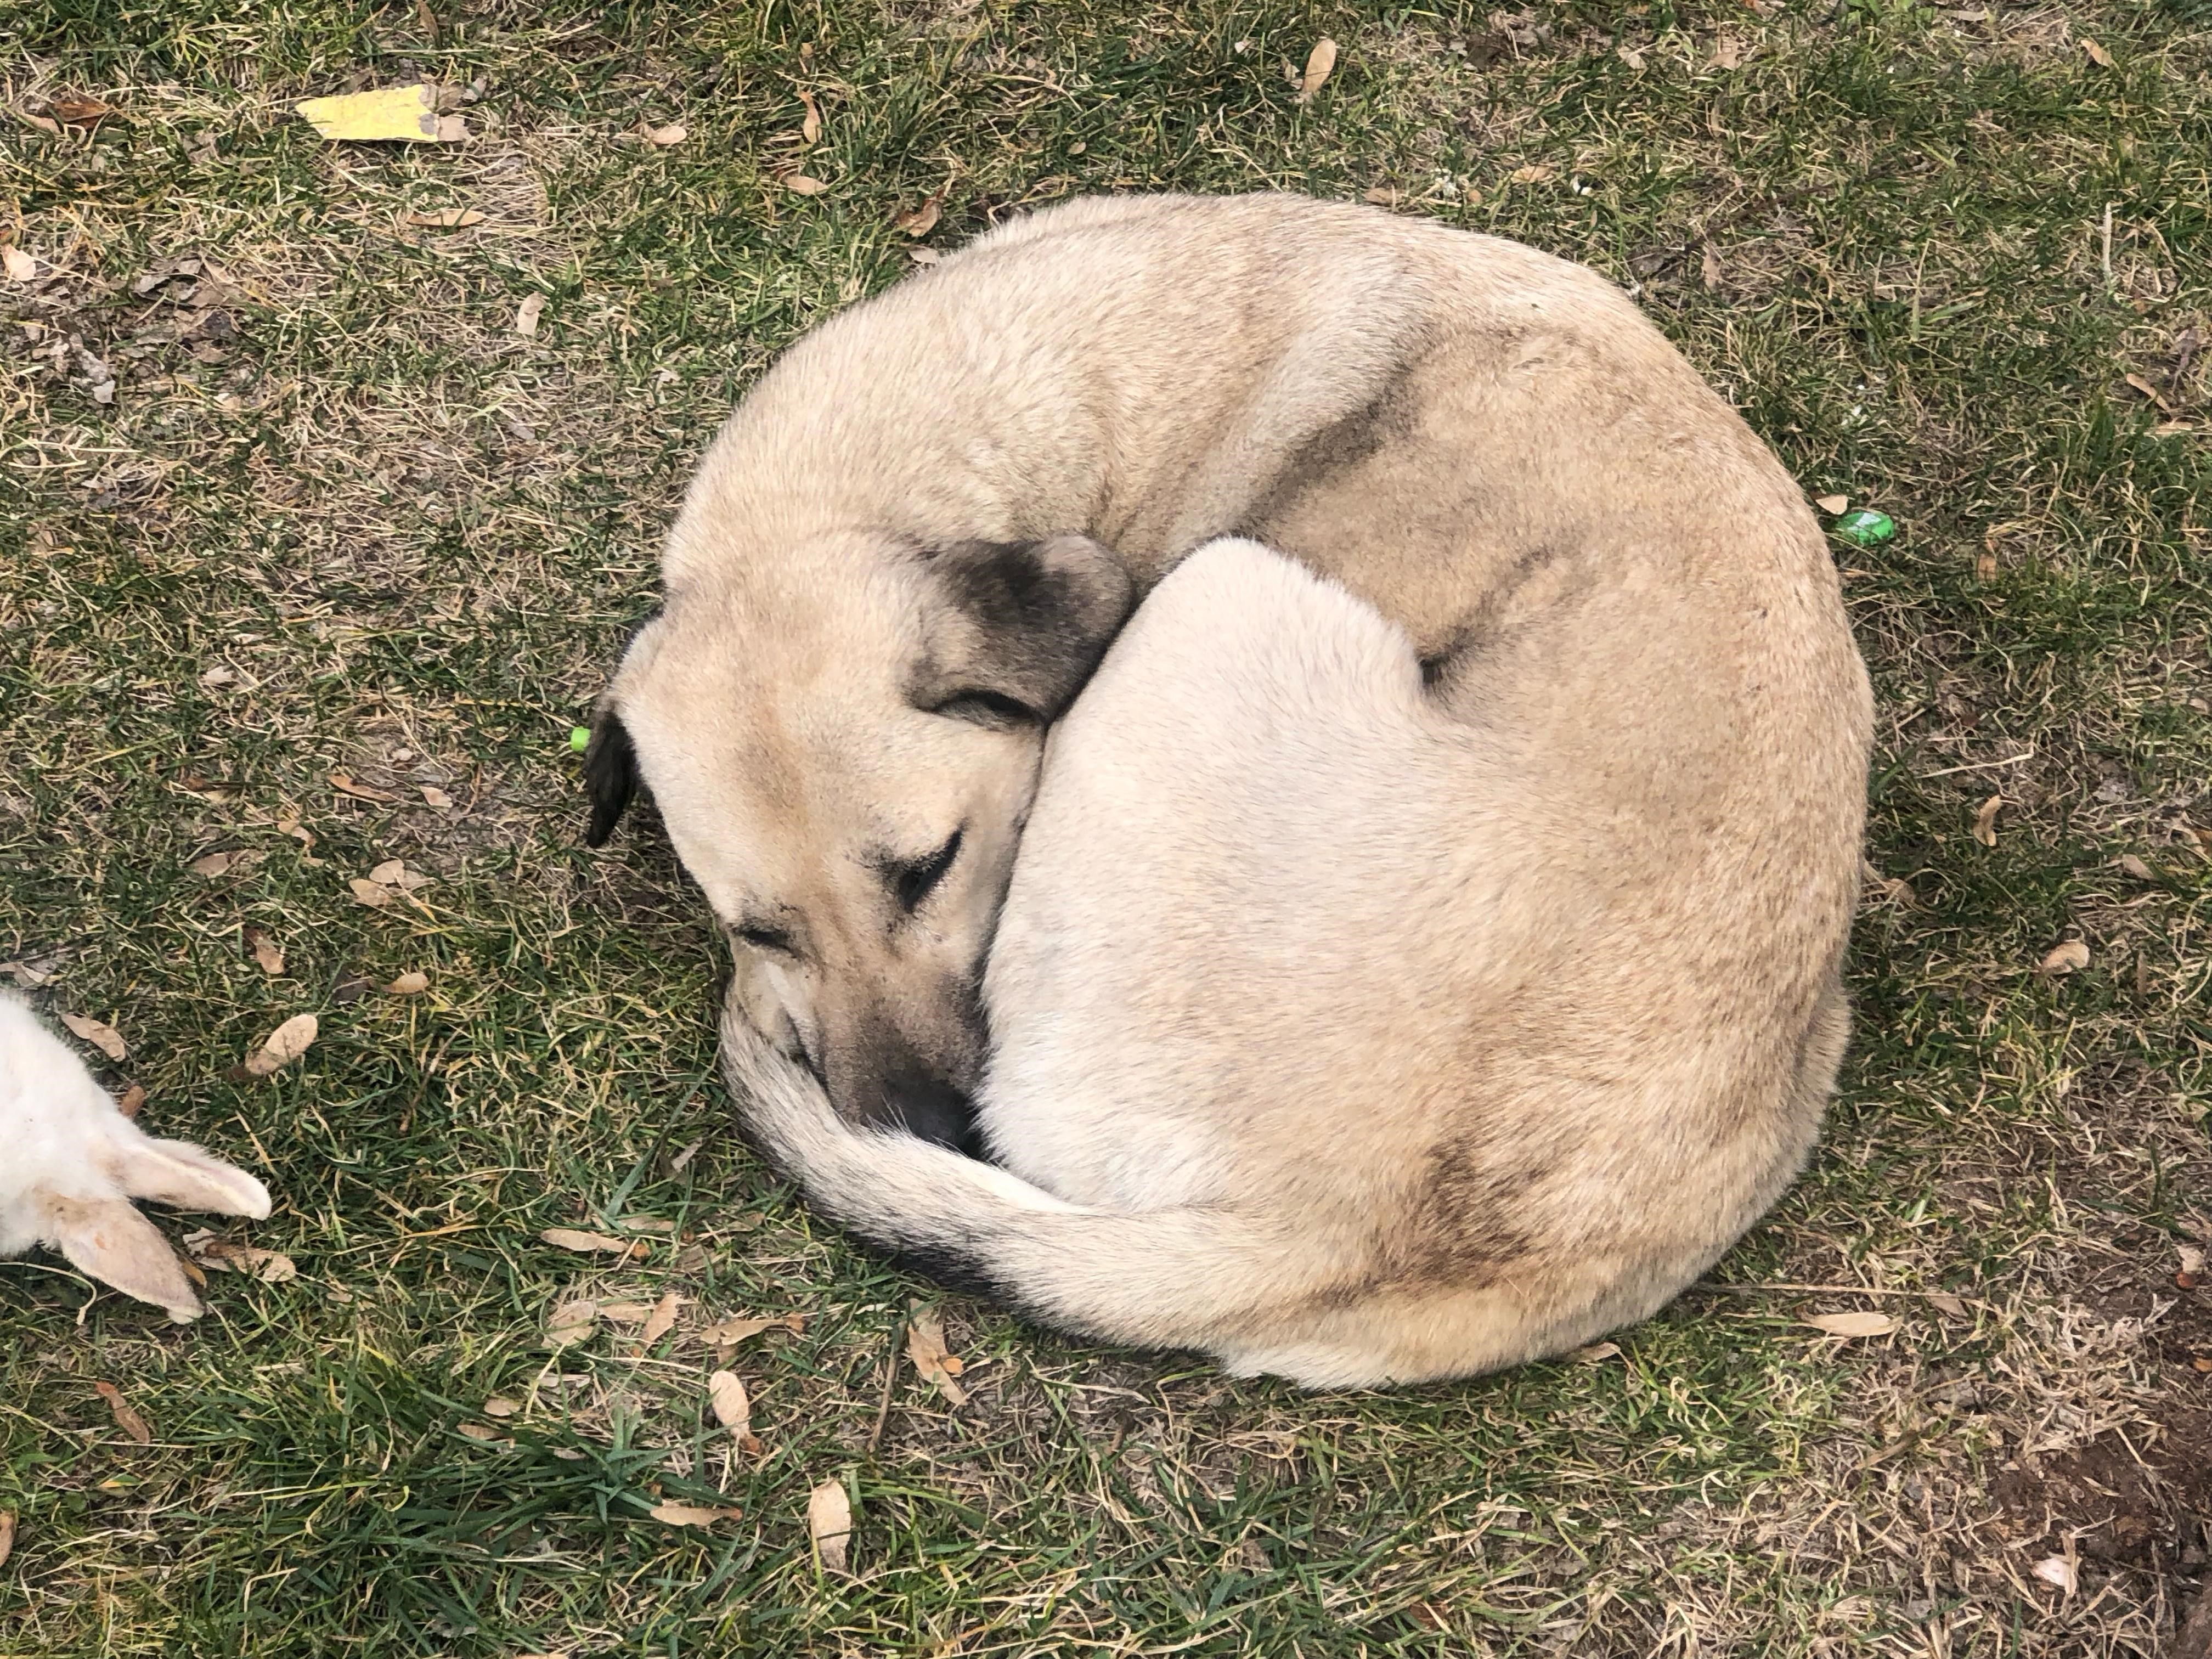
(579, 736)
(1866, 526)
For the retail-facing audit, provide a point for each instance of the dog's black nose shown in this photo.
(932, 1109)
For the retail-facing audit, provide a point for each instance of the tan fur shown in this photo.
(1613, 994)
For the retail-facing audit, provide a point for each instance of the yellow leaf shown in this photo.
(1319, 63)
(403, 115)
(1849, 1325)
(830, 1523)
(282, 1046)
(106, 1038)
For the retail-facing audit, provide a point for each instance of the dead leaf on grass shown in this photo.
(2068, 958)
(1536, 173)
(1597, 1354)
(1832, 504)
(1320, 62)
(125, 1419)
(2057, 1570)
(921, 220)
(1985, 820)
(733, 1410)
(799, 184)
(2150, 392)
(267, 953)
(626, 1312)
(691, 1515)
(1727, 53)
(21, 266)
(570, 1238)
(374, 895)
(102, 1036)
(809, 129)
(925, 1345)
(7, 1535)
(1710, 269)
(408, 985)
(527, 313)
(729, 1332)
(1384, 196)
(2098, 55)
(1849, 1325)
(485, 1432)
(2131, 866)
(829, 1524)
(433, 796)
(447, 218)
(571, 1322)
(661, 137)
(346, 786)
(924, 256)
(282, 1046)
(133, 1101)
(496, 1407)
(222, 1256)
(77, 109)
(217, 864)
(662, 1319)
(1944, 1303)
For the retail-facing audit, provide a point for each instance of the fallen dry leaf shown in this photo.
(799, 184)
(925, 1345)
(662, 1320)
(732, 1410)
(830, 1523)
(7, 1535)
(1985, 820)
(1319, 63)
(401, 114)
(282, 1046)
(104, 1037)
(1832, 503)
(497, 1406)
(2055, 1570)
(408, 985)
(1985, 565)
(662, 138)
(484, 1432)
(626, 1312)
(125, 1419)
(691, 1515)
(2069, 957)
(374, 894)
(731, 1331)
(2149, 391)
(527, 313)
(1384, 196)
(133, 1101)
(447, 218)
(266, 952)
(1597, 1354)
(1853, 1324)
(921, 220)
(570, 1238)
(77, 109)
(2102, 59)
(217, 864)
(221, 1255)
(2132, 865)
(809, 129)
(393, 873)
(1944, 1301)
(346, 786)
(1710, 270)
(1631, 56)
(20, 266)
(433, 796)
(51, 128)
(924, 256)
(1536, 173)
(1727, 53)
(572, 1322)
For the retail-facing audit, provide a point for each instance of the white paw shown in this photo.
(70, 1165)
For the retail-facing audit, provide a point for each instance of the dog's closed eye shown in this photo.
(914, 882)
(766, 938)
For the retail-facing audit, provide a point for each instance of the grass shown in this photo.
(1949, 263)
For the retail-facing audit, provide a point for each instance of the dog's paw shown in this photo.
(75, 1163)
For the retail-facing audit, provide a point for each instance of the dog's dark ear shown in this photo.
(1020, 626)
(610, 775)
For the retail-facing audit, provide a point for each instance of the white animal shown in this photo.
(71, 1163)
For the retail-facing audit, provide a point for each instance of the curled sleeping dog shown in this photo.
(909, 548)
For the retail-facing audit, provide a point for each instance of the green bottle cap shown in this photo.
(1866, 526)
(579, 736)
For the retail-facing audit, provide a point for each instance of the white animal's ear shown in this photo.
(109, 1240)
(178, 1173)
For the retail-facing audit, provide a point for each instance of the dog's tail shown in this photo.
(1182, 1277)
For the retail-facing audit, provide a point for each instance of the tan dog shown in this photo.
(1315, 1042)
(908, 548)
